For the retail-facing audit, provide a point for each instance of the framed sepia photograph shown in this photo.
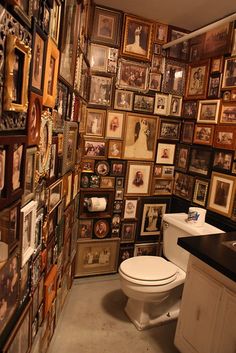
(95, 122)
(169, 129)
(162, 102)
(98, 57)
(100, 90)
(229, 74)
(28, 222)
(204, 134)
(200, 192)
(165, 153)
(143, 249)
(45, 142)
(114, 125)
(223, 160)
(97, 257)
(167, 171)
(175, 105)
(138, 178)
(95, 148)
(225, 137)
(115, 149)
(54, 195)
(118, 168)
(178, 51)
(174, 77)
(85, 230)
(143, 103)
(123, 100)
(106, 26)
(228, 113)
(214, 86)
(132, 75)
(200, 161)
(34, 118)
(130, 208)
(221, 193)
(138, 37)
(197, 80)
(187, 132)
(208, 111)
(101, 228)
(155, 81)
(107, 182)
(217, 41)
(183, 186)
(182, 157)
(69, 145)
(162, 186)
(128, 232)
(161, 32)
(29, 177)
(140, 137)
(189, 109)
(54, 29)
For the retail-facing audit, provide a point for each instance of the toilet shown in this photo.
(154, 284)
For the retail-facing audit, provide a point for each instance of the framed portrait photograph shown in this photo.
(143, 103)
(51, 74)
(102, 168)
(34, 117)
(162, 186)
(29, 177)
(100, 90)
(106, 26)
(187, 132)
(228, 113)
(200, 192)
(140, 137)
(123, 100)
(200, 161)
(189, 109)
(132, 75)
(158, 64)
(118, 168)
(85, 229)
(197, 80)
(28, 222)
(183, 186)
(155, 81)
(143, 249)
(204, 134)
(97, 257)
(138, 37)
(169, 129)
(229, 74)
(138, 178)
(221, 193)
(17, 65)
(217, 64)
(182, 157)
(126, 251)
(99, 57)
(224, 137)
(107, 182)
(214, 86)
(95, 122)
(114, 125)
(222, 160)
(165, 153)
(128, 232)
(178, 51)
(95, 148)
(162, 102)
(69, 145)
(161, 32)
(174, 77)
(115, 149)
(175, 105)
(152, 210)
(101, 228)
(208, 111)
(130, 208)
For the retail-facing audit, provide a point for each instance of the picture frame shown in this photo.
(95, 122)
(221, 194)
(85, 195)
(114, 124)
(17, 65)
(123, 100)
(101, 228)
(223, 160)
(34, 117)
(132, 75)
(128, 232)
(175, 106)
(200, 192)
(161, 32)
(165, 153)
(138, 37)
(138, 178)
(143, 103)
(54, 29)
(197, 80)
(106, 26)
(151, 211)
(119, 182)
(208, 111)
(182, 157)
(169, 129)
(9, 226)
(214, 85)
(51, 74)
(143, 249)
(200, 161)
(140, 137)
(162, 102)
(130, 208)
(158, 64)
(87, 263)
(100, 90)
(119, 194)
(50, 287)
(45, 17)
(216, 64)
(217, 41)
(183, 186)
(162, 186)
(87, 166)
(118, 206)
(204, 134)
(126, 252)
(229, 76)
(62, 102)
(98, 57)
(155, 80)
(178, 51)
(29, 177)
(115, 148)
(55, 195)
(45, 142)
(187, 132)
(107, 182)
(189, 109)
(69, 145)
(228, 113)
(174, 77)
(28, 222)
(94, 148)
(167, 171)
(85, 229)
(118, 168)
(224, 137)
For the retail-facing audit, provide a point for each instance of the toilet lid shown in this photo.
(149, 268)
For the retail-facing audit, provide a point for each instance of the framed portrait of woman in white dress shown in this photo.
(140, 137)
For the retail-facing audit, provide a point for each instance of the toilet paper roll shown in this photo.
(3, 251)
(196, 216)
(97, 204)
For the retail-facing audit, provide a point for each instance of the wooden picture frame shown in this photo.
(17, 65)
(208, 111)
(100, 91)
(102, 168)
(165, 153)
(50, 288)
(118, 168)
(51, 74)
(123, 100)
(178, 51)
(138, 37)
(187, 132)
(28, 222)
(98, 56)
(128, 232)
(34, 117)
(189, 109)
(95, 122)
(85, 229)
(107, 182)
(204, 134)
(175, 106)
(161, 32)
(143, 103)
(200, 161)
(228, 113)
(217, 41)
(138, 178)
(30, 173)
(132, 75)
(214, 85)
(223, 160)
(183, 186)
(115, 148)
(142, 249)
(101, 228)
(229, 78)
(54, 29)
(94, 148)
(114, 124)
(182, 157)
(54, 195)
(69, 145)
(10, 225)
(221, 193)
(197, 80)
(169, 129)
(162, 102)
(162, 186)
(225, 137)
(200, 192)
(155, 79)
(140, 137)
(174, 77)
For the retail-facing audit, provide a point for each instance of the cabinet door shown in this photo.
(198, 313)
(225, 337)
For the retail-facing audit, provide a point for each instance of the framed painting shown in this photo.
(123, 100)
(165, 153)
(155, 81)
(132, 75)
(175, 105)
(182, 157)
(187, 132)
(51, 74)
(101, 228)
(50, 287)
(10, 225)
(204, 134)
(178, 51)
(224, 137)
(95, 122)
(17, 65)
(34, 118)
(96, 203)
(200, 161)
(138, 37)
(229, 74)
(138, 178)
(114, 125)
(128, 232)
(150, 249)
(189, 109)
(29, 177)
(106, 26)
(200, 192)
(161, 32)
(221, 193)
(140, 137)
(214, 86)
(69, 145)
(115, 149)
(174, 77)
(162, 102)
(183, 186)
(169, 129)
(100, 90)
(28, 222)
(208, 111)
(223, 160)
(228, 113)
(130, 208)
(143, 103)
(162, 186)
(197, 80)
(45, 142)
(97, 257)
(95, 148)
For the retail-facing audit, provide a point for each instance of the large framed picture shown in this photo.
(132, 75)
(229, 75)
(138, 178)
(208, 111)
(28, 222)
(174, 77)
(138, 37)
(140, 137)
(196, 86)
(221, 193)
(200, 192)
(214, 85)
(183, 186)
(106, 26)
(97, 257)
(200, 161)
(100, 90)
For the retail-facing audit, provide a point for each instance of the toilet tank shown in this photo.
(174, 227)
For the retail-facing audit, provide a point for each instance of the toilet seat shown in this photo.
(148, 270)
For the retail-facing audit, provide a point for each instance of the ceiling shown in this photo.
(186, 14)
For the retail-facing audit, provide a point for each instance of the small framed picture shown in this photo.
(174, 77)
(228, 113)
(100, 90)
(169, 129)
(119, 194)
(34, 117)
(183, 186)
(223, 160)
(95, 122)
(128, 232)
(115, 124)
(45, 142)
(95, 148)
(87, 165)
(162, 186)
(133, 75)
(10, 225)
(55, 20)
(107, 182)
(203, 134)
(187, 132)
(29, 179)
(229, 75)
(165, 153)
(155, 81)
(197, 80)
(208, 111)
(175, 105)
(119, 182)
(200, 192)
(126, 251)
(189, 109)
(130, 208)
(85, 230)
(200, 161)
(55, 195)
(178, 51)
(98, 57)
(138, 178)
(167, 171)
(102, 168)
(28, 222)
(162, 102)
(118, 206)
(161, 32)
(123, 100)
(214, 86)
(182, 157)
(115, 148)
(143, 103)
(101, 228)
(69, 145)
(118, 168)
(225, 137)
(150, 249)
(157, 170)
(217, 64)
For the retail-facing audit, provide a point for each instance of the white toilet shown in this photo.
(154, 285)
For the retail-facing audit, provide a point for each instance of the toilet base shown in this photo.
(145, 315)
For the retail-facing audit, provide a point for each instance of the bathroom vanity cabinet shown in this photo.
(206, 323)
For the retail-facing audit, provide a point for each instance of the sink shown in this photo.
(230, 244)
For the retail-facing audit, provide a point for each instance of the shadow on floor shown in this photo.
(114, 304)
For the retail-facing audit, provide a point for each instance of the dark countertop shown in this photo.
(210, 249)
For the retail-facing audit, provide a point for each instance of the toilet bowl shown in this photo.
(154, 284)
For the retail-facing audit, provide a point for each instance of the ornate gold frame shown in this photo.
(45, 152)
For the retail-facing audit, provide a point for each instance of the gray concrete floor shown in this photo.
(93, 321)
